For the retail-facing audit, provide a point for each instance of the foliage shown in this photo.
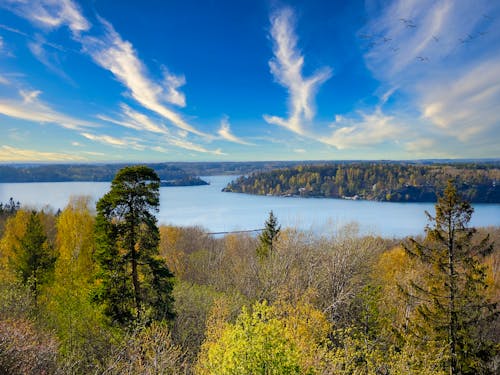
(267, 340)
(147, 350)
(454, 311)
(400, 182)
(133, 282)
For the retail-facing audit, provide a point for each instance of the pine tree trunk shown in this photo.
(135, 276)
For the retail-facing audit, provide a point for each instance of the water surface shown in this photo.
(216, 211)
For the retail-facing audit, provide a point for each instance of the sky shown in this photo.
(248, 80)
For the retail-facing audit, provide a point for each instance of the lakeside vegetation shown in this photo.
(169, 175)
(393, 182)
(282, 302)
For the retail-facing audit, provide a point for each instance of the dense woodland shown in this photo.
(170, 175)
(394, 182)
(104, 290)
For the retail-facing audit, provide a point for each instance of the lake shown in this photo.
(216, 211)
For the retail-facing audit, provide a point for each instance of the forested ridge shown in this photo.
(105, 290)
(170, 175)
(393, 182)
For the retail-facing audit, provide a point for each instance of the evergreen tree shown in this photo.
(33, 258)
(454, 311)
(133, 283)
(269, 236)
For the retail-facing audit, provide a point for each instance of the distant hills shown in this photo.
(169, 175)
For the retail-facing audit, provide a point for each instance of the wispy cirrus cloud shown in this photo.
(125, 142)
(132, 119)
(286, 67)
(50, 14)
(14, 154)
(48, 58)
(111, 52)
(225, 133)
(135, 120)
(368, 129)
(118, 56)
(32, 109)
(439, 56)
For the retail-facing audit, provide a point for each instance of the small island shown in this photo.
(379, 181)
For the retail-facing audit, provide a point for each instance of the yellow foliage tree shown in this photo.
(15, 229)
(269, 339)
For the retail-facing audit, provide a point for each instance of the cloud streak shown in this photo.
(14, 154)
(111, 52)
(225, 133)
(286, 67)
(50, 14)
(444, 65)
(30, 108)
(118, 56)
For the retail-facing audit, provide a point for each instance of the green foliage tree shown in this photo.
(33, 258)
(133, 282)
(454, 311)
(269, 236)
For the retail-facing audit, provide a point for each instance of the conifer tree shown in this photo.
(454, 311)
(33, 257)
(268, 237)
(133, 283)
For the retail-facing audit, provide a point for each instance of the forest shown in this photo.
(169, 174)
(106, 290)
(393, 182)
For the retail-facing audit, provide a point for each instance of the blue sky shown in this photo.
(186, 80)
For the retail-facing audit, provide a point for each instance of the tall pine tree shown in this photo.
(133, 283)
(454, 311)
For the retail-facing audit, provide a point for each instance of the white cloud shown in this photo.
(13, 154)
(50, 14)
(142, 122)
(49, 59)
(132, 119)
(225, 133)
(32, 109)
(172, 83)
(286, 67)
(119, 57)
(445, 65)
(370, 129)
(29, 96)
(109, 140)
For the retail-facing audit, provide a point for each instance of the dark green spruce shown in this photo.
(454, 309)
(268, 237)
(34, 258)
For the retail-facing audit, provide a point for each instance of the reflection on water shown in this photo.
(208, 207)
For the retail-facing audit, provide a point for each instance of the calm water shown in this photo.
(208, 207)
